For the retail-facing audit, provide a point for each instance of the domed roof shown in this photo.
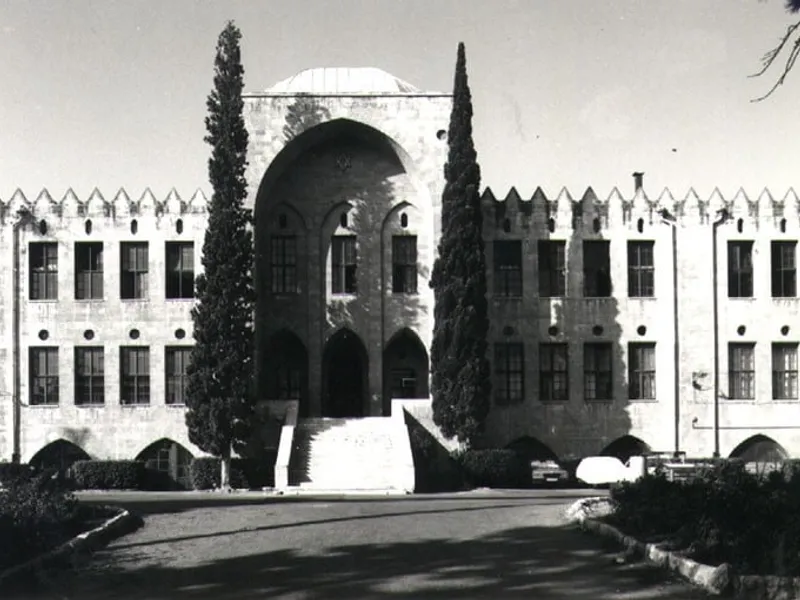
(330, 81)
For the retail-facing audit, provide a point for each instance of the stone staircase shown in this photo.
(367, 454)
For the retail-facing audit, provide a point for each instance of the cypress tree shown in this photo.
(460, 381)
(220, 371)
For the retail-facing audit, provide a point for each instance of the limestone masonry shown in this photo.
(345, 180)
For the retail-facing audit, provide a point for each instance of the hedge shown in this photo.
(495, 468)
(109, 474)
(724, 514)
(10, 472)
(245, 473)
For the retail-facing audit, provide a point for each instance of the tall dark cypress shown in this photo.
(460, 374)
(220, 371)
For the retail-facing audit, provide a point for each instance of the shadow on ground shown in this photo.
(525, 562)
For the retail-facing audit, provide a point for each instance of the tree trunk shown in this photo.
(225, 472)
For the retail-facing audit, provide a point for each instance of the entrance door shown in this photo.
(345, 376)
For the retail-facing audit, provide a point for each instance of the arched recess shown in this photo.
(171, 460)
(624, 447)
(760, 449)
(532, 449)
(405, 367)
(286, 369)
(345, 376)
(60, 454)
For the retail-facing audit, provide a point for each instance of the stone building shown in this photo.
(602, 309)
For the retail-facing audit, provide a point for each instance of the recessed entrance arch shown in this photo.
(345, 376)
(760, 449)
(287, 369)
(405, 367)
(171, 460)
(624, 447)
(59, 455)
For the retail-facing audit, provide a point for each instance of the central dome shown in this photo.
(343, 80)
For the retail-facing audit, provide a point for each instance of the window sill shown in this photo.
(179, 299)
(88, 300)
(344, 295)
(643, 298)
(643, 400)
(42, 405)
(43, 300)
(140, 405)
(742, 298)
(175, 404)
(598, 400)
(738, 400)
(131, 300)
(785, 400)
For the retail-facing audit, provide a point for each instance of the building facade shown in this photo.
(602, 309)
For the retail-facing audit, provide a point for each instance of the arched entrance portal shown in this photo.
(171, 460)
(405, 364)
(59, 455)
(287, 369)
(344, 376)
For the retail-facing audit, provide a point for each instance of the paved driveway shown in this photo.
(477, 545)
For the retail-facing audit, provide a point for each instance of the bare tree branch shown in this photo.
(769, 59)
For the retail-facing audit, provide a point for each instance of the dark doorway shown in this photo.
(405, 364)
(344, 376)
(287, 369)
(59, 455)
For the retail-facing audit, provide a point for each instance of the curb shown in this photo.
(715, 580)
(115, 527)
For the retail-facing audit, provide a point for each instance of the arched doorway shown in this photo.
(760, 449)
(405, 367)
(171, 460)
(59, 455)
(624, 447)
(287, 369)
(345, 376)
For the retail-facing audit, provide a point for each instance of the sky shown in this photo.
(566, 93)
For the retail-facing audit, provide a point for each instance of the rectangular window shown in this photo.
(283, 264)
(642, 371)
(740, 269)
(741, 371)
(180, 270)
(43, 371)
(134, 266)
(89, 376)
(509, 371)
(508, 268)
(552, 269)
(597, 371)
(88, 270)
(596, 269)
(784, 269)
(43, 269)
(176, 361)
(784, 371)
(641, 270)
(134, 375)
(553, 372)
(404, 264)
(344, 262)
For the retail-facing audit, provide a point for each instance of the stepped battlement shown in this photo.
(96, 205)
(688, 209)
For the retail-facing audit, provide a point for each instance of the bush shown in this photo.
(205, 474)
(9, 472)
(36, 514)
(725, 514)
(109, 474)
(495, 469)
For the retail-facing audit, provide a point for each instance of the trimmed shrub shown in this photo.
(496, 468)
(109, 474)
(258, 472)
(205, 474)
(10, 472)
(36, 514)
(724, 514)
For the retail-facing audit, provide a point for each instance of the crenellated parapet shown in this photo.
(617, 210)
(120, 206)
